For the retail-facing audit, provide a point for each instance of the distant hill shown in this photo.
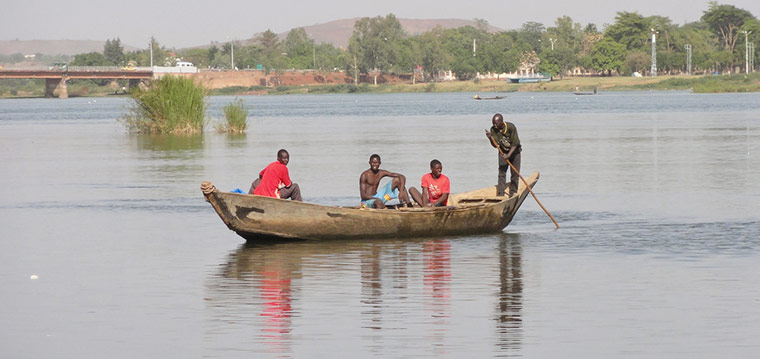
(339, 31)
(54, 47)
(334, 32)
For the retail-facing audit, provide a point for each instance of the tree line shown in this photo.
(379, 45)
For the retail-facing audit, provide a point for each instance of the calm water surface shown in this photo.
(657, 193)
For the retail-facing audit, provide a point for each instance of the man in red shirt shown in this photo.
(435, 187)
(274, 180)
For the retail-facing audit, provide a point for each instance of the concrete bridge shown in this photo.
(55, 78)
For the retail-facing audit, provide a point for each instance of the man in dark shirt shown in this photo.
(503, 136)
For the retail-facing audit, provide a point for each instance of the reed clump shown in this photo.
(235, 118)
(170, 105)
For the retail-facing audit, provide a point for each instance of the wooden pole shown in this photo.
(525, 182)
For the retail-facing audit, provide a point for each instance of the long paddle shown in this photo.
(524, 181)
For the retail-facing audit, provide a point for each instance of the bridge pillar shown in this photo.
(133, 84)
(50, 85)
(55, 87)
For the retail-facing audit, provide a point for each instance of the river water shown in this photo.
(658, 254)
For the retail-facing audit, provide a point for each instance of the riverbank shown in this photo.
(296, 82)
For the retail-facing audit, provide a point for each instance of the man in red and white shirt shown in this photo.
(435, 187)
(274, 180)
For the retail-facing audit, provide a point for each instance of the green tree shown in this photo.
(300, 49)
(630, 29)
(113, 51)
(607, 55)
(703, 42)
(271, 50)
(725, 21)
(458, 43)
(374, 45)
(557, 62)
(212, 51)
(428, 52)
(90, 59)
(531, 32)
(636, 61)
(496, 51)
(198, 56)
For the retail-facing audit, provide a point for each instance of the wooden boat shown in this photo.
(488, 98)
(266, 218)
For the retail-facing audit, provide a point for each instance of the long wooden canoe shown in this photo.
(265, 218)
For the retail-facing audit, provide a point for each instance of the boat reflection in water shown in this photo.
(368, 296)
(509, 309)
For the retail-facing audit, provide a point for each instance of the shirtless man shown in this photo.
(373, 195)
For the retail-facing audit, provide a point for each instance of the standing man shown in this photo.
(375, 196)
(274, 180)
(435, 187)
(503, 136)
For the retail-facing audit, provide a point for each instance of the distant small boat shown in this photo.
(579, 93)
(476, 97)
(530, 79)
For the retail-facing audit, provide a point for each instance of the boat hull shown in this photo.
(266, 218)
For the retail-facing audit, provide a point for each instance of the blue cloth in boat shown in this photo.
(237, 190)
(384, 193)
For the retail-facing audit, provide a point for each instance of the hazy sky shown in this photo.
(188, 23)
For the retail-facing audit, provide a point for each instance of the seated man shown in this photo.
(435, 187)
(375, 196)
(274, 180)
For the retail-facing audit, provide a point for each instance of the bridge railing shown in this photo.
(104, 68)
(78, 69)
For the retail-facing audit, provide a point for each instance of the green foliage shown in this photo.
(199, 57)
(300, 49)
(607, 55)
(270, 51)
(725, 21)
(375, 44)
(713, 84)
(236, 117)
(169, 105)
(630, 29)
(113, 51)
(90, 59)
(636, 61)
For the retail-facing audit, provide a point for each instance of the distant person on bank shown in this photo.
(435, 187)
(373, 195)
(503, 136)
(274, 180)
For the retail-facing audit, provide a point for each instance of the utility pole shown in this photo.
(232, 55)
(688, 58)
(552, 41)
(654, 54)
(151, 53)
(474, 46)
(752, 57)
(746, 50)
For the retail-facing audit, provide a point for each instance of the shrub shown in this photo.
(236, 117)
(170, 105)
(430, 87)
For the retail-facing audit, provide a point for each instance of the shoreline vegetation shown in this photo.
(695, 83)
(170, 105)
